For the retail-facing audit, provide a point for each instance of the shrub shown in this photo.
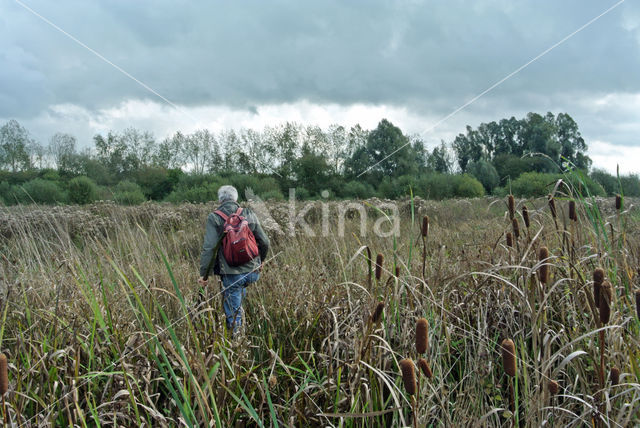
(41, 192)
(82, 190)
(357, 189)
(435, 186)
(533, 184)
(204, 193)
(6, 194)
(274, 194)
(485, 173)
(630, 185)
(606, 180)
(128, 193)
(465, 186)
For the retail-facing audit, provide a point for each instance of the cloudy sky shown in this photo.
(217, 65)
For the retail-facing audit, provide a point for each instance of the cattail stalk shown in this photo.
(614, 376)
(512, 207)
(516, 228)
(509, 357)
(379, 262)
(606, 296)
(425, 234)
(376, 316)
(509, 240)
(598, 278)
(543, 270)
(408, 376)
(410, 385)
(509, 365)
(4, 386)
(425, 226)
(552, 206)
(525, 216)
(425, 368)
(422, 336)
(573, 215)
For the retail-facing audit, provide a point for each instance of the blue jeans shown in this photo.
(233, 293)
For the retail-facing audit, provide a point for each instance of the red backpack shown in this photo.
(238, 245)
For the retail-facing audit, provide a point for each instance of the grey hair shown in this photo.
(227, 193)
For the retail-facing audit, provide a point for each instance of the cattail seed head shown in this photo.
(637, 293)
(614, 375)
(509, 357)
(408, 376)
(422, 335)
(424, 368)
(606, 296)
(425, 226)
(379, 261)
(543, 271)
(552, 206)
(516, 228)
(553, 387)
(618, 202)
(509, 240)
(397, 271)
(376, 316)
(512, 207)
(273, 381)
(598, 277)
(573, 215)
(525, 216)
(4, 375)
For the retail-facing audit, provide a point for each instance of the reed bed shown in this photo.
(103, 323)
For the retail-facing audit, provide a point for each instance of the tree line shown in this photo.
(132, 166)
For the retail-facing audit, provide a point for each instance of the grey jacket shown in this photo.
(212, 234)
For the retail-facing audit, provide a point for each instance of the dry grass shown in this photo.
(99, 330)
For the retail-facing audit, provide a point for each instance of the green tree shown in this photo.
(82, 190)
(14, 144)
(62, 148)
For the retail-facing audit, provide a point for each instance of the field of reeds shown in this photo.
(485, 312)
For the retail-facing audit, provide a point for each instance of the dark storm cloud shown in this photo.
(426, 55)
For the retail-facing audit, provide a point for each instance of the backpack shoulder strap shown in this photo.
(239, 211)
(221, 214)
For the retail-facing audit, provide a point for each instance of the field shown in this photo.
(103, 323)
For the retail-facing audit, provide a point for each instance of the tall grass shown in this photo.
(104, 324)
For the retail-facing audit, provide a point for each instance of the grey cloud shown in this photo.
(427, 56)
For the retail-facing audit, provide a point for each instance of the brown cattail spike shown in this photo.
(525, 216)
(637, 293)
(377, 313)
(379, 261)
(4, 375)
(512, 207)
(552, 206)
(509, 240)
(516, 228)
(425, 226)
(543, 271)
(553, 387)
(618, 202)
(408, 376)
(614, 375)
(598, 277)
(422, 336)
(424, 368)
(509, 357)
(573, 215)
(606, 297)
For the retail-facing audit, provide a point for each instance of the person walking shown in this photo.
(240, 245)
